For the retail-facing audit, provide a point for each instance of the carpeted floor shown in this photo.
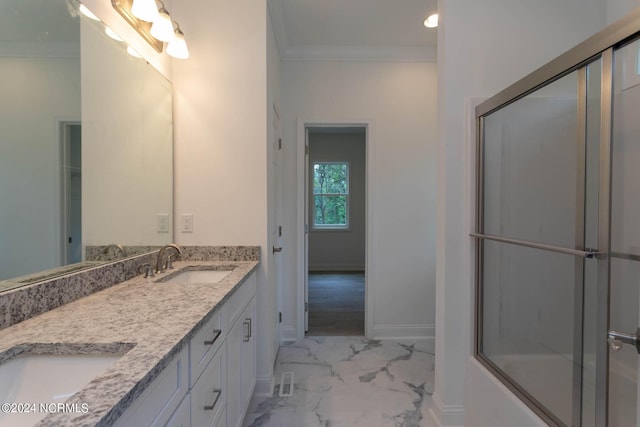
(336, 304)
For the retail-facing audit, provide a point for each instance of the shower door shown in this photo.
(625, 238)
(539, 186)
(558, 234)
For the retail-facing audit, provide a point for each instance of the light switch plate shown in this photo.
(186, 223)
(162, 223)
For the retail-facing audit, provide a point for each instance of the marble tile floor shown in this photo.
(350, 381)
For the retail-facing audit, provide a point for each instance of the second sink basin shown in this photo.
(196, 275)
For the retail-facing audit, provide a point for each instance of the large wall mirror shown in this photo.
(86, 142)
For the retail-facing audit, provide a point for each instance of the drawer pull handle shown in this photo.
(247, 323)
(217, 392)
(217, 333)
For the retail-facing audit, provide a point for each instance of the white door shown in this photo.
(71, 193)
(306, 230)
(277, 213)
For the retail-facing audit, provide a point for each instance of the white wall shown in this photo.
(398, 99)
(36, 94)
(127, 141)
(469, 68)
(107, 14)
(220, 99)
(616, 9)
(340, 250)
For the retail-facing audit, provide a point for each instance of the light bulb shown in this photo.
(86, 12)
(131, 51)
(112, 34)
(162, 28)
(145, 10)
(177, 47)
(431, 21)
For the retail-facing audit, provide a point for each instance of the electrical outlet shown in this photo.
(162, 223)
(186, 223)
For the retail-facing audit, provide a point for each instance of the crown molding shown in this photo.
(276, 14)
(341, 53)
(39, 50)
(359, 53)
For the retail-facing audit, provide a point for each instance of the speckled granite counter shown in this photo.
(149, 321)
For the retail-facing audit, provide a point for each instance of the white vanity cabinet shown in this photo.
(182, 416)
(209, 383)
(156, 405)
(241, 365)
(208, 394)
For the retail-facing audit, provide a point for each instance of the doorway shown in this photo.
(336, 223)
(71, 194)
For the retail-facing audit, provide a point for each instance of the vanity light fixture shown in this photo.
(112, 34)
(431, 21)
(123, 7)
(145, 10)
(162, 27)
(131, 51)
(86, 12)
(158, 32)
(177, 47)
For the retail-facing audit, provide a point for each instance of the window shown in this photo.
(331, 195)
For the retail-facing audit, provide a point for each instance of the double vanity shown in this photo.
(176, 349)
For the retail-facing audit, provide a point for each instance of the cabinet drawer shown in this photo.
(182, 416)
(208, 395)
(238, 301)
(157, 403)
(204, 344)
(221, 421)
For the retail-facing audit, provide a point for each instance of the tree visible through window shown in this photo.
(331, 195)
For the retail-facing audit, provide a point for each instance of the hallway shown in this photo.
(350, 381)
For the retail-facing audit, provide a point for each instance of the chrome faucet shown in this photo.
(159, 266)
(116, 246)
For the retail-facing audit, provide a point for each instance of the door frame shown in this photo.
(302, 218)
(64, 141)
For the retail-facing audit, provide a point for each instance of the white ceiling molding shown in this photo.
(359, 53)
(39, 50)
(292, 52)
(277, 23)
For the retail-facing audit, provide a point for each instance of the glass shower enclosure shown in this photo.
(558, 233)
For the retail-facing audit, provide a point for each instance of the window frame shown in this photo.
(312, 210)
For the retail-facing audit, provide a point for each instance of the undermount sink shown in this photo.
(46, 379)
(190, 275)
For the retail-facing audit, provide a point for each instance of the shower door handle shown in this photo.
(617, 339)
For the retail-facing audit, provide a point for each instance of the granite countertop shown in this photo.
(47, 274)
(149, 322)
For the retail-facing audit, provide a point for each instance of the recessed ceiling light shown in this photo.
(431, 21)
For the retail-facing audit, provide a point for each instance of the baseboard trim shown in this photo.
(264, 386)
(288, 335)
(404, 331)
(446, 415)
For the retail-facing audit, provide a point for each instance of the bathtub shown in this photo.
(549, 379)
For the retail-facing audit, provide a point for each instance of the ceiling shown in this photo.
(38, 21)
(383, 30)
